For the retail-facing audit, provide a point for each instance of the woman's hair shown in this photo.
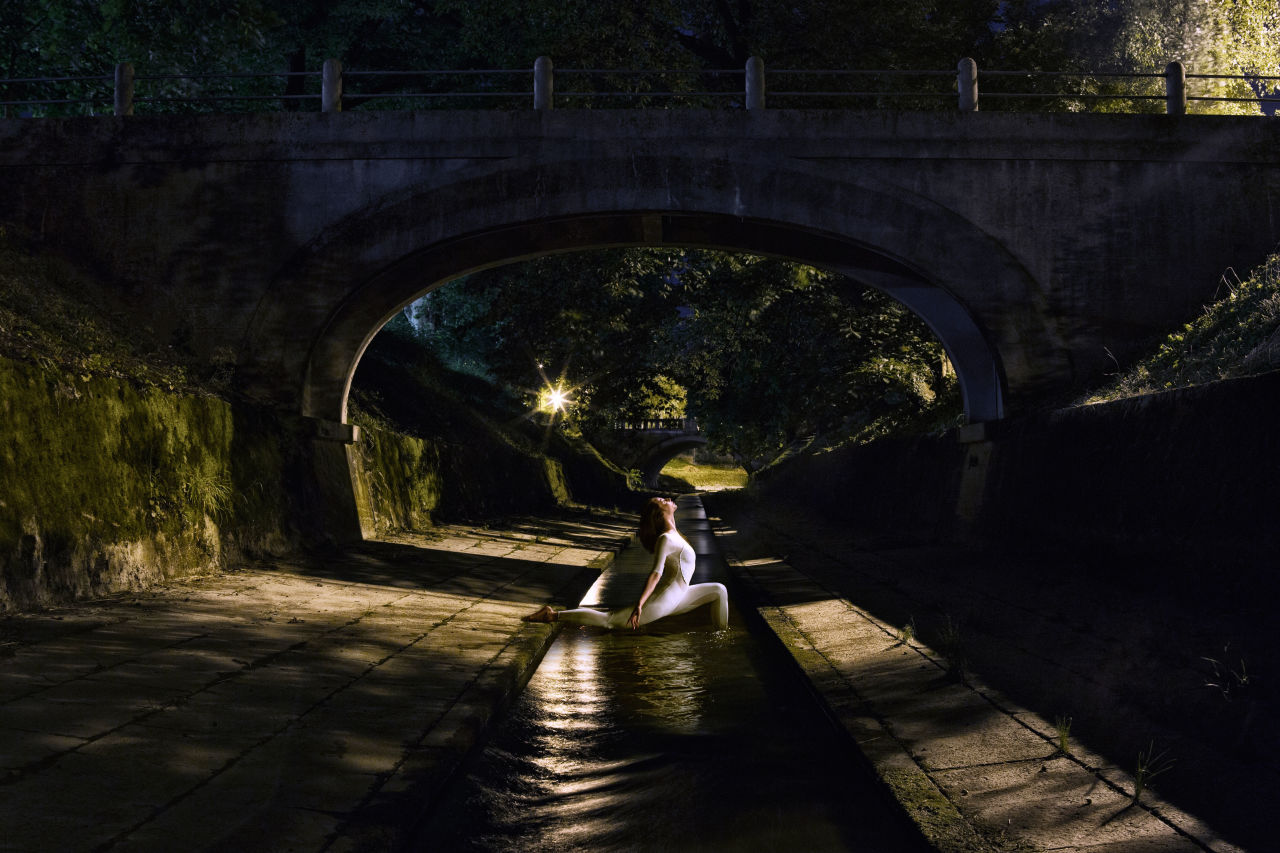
(651, 523)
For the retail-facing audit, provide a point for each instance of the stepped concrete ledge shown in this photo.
(304, 705)
(971, 768)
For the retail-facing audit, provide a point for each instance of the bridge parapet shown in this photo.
(742, 88)
(689, 425)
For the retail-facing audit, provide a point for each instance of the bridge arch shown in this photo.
(323, 310)
(660, 454)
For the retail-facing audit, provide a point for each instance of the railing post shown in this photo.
(1175, 89)
(543, 83)
(331, 86)
(967, 85)
(755, 83)
(124, 89)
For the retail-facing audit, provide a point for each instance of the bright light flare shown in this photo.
(554, 399)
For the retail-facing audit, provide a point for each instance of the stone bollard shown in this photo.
(543, 83)
(331, 86)
(755, 83)
(124, 89)
(967, 85)
(1175, 89)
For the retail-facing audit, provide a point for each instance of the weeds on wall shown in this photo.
(951, 646)
(1232, 682)
(1150, 764)
(904, 635)
(1062, 733)
(1236, 335)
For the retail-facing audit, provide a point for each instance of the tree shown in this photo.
(1227, 37)
(760, 351)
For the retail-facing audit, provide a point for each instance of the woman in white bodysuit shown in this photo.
(667, 592)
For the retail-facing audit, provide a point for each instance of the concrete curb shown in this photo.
(907, 786)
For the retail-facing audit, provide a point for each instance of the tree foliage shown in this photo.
(176, 37)
(760, 351)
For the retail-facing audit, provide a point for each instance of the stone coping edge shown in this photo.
(907, 787)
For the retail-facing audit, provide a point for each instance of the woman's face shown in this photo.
(668, 509)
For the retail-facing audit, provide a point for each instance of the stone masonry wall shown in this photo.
(105, 487)
(1193, 473)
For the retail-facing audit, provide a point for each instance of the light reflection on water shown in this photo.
(675, 738)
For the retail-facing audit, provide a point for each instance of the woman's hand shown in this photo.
(634, 621)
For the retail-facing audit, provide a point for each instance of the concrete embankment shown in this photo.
(106, 486)
(303, 705)
(994, 712)
(1110, 565)
(1186, 472)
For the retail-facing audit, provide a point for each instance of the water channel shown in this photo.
(677, 737)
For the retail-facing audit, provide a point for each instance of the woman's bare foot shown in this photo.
(542, 614)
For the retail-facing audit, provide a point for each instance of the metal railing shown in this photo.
(658, 425)
(736, 88)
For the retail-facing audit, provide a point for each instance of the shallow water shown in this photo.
(676, 737)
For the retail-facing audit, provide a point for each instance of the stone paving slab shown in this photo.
(305, 705)
(975, 771)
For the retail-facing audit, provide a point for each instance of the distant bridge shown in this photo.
(648, 444)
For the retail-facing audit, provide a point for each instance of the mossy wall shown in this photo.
(105, 487)
(413, 482)
(410, 483)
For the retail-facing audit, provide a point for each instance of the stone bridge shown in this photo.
(1036, 246)
(649, 444)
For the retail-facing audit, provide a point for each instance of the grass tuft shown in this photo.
(1237, 335)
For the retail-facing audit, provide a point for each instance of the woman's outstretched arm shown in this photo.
(661, 549)
(634, 621)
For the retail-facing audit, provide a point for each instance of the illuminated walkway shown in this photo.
(290, 706)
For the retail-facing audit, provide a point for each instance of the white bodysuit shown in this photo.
(673, 562)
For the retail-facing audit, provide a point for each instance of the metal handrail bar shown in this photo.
(53, 79)
(854, 94)
(866, 71)
(1266, 99)
(98, 99)
(369, 96)
(632, 71)
(627, 71)
(644, 94)
(158, 99)
(226, 75)
(1233, 76)
(982, 73)
(476, 71)
(1083, 96)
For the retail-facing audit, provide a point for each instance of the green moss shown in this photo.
(107, 486)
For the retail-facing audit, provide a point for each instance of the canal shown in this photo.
(676, 737)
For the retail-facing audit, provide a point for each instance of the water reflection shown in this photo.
(678, 737)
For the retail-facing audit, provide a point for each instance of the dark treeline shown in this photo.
(162, 37)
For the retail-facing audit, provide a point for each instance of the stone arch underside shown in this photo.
(308, 336)
(656, 457)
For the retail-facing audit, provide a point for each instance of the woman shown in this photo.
(667, 591)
